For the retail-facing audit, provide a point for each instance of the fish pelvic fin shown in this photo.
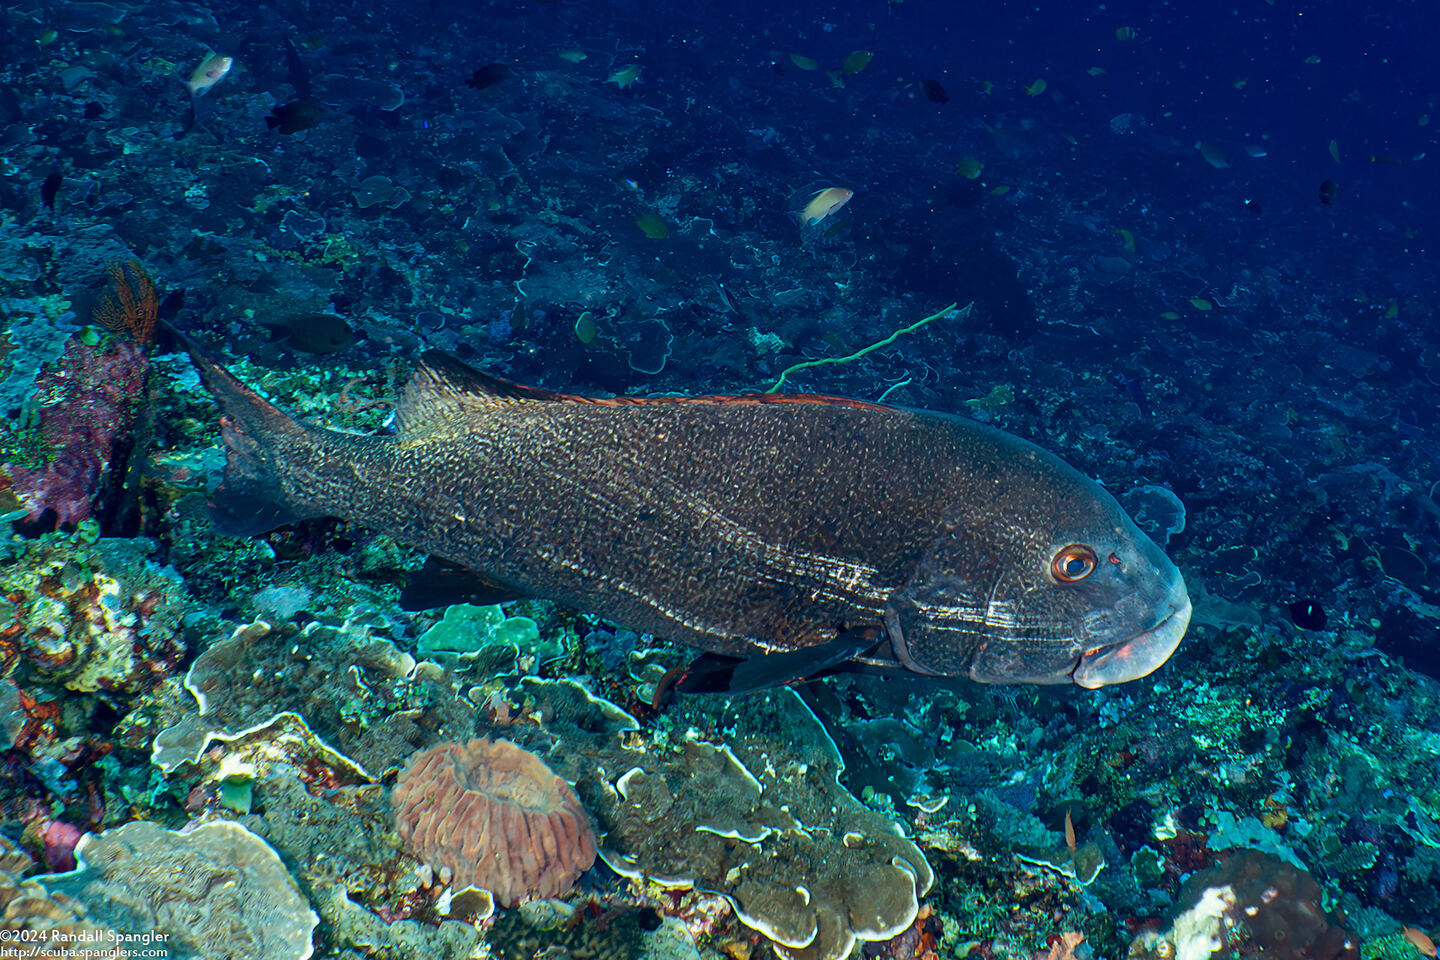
(263, 443)
(713, 673)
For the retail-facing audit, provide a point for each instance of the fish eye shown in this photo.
(1075, 562)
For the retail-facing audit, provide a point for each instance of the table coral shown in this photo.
(759, 816)
(218, 892)
(497, 817)
(356, 692)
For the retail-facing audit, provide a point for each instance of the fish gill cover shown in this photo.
(1198, 246)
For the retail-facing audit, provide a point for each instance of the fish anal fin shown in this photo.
(440, 583)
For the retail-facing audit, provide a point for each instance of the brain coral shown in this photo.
(497, 817)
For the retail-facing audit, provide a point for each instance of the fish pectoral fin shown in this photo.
(712, 673)
(440, 583)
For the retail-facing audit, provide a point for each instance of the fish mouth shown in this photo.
(1135, 657)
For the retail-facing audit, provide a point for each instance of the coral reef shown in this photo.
(358, 694)
(85, 411)
(1252, 904)
(44, 924)
(743, 799)
(1264, 382)
(93, 615)
(216, 892)
(496, 817)
(347, 857)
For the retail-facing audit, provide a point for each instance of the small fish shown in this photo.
(652, 225)
(49, 188)
(1070, 838)
(1213, 153)
(804, 62)
(625, 76)
(969, 168)
(586, 329)
(314, 332)
(1036, 87)
(573, 56)
(1335, 151)
(295, 116)
(857, 61)
(296, 70)
(1329, 192)
(1097, 71)
(1125, 34)
(1419, 939)
(822, 204)
(211, 70)
(1308, 615)
(488, 76)
(933, 91)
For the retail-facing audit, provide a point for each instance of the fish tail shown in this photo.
(269, 456)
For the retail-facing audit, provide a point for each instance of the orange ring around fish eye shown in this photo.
(1075, 562)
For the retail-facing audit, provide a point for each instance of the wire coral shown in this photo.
(497, 817)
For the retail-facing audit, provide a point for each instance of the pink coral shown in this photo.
(60, 839)
(497, 817)
(87, 407)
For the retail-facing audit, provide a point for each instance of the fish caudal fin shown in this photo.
(259, 492)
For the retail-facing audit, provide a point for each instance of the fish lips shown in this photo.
(1136, 656)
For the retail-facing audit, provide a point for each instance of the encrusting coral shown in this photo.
(1252, 904)
(497, 817)
(45, 924)
(216, 892)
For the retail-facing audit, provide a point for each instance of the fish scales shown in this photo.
(738, 525)
(682, 520)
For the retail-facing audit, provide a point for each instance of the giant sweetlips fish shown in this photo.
(784, 535)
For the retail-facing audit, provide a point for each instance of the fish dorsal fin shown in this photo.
(444, 388)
